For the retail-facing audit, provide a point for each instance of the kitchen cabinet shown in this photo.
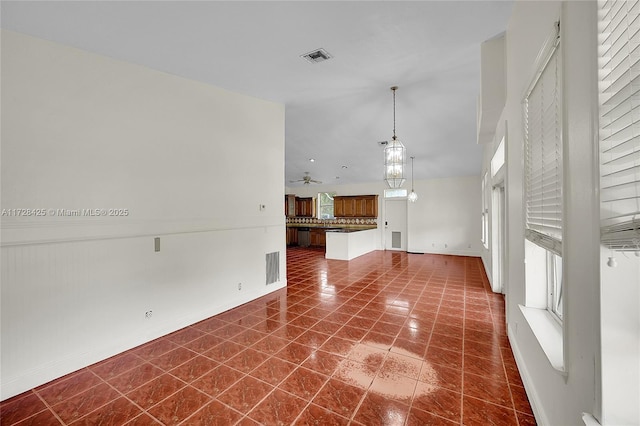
(345, 206)
(292, 236)
(318, 237)
(355, 206)
(350, 207)
(304, 206)
(370, 206)
(338, 206)
(290, 205)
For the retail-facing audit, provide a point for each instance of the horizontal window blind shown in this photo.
(619, 84)
(543, 151)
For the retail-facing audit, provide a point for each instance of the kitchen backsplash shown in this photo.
(337, 221)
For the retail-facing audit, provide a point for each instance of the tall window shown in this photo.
(619, 52)
(395, 193)
(543, 171)
(325, 205)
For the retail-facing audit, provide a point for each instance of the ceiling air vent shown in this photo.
(316, 56)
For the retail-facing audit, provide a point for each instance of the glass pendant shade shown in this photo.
(394, 164)
(413, 197)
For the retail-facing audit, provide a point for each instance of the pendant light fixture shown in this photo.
(394, 155)
(413, 197)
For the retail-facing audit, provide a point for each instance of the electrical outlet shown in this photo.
(148, 314)
(239, 286)
(445, 246)
(262, 207)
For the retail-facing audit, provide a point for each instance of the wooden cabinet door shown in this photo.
(308, 206)
(292, 236)
(304, 207)
(371, 206)
(317, 237)
(290, 205)
(350, 207)
(338, 206)
(298, 207)
(361, 207)
(322, 238)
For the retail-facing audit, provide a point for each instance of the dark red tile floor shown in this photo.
(388, 338)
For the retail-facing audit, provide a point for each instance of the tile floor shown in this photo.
(386, 339)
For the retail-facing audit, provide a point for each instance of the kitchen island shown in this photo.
(347, 244)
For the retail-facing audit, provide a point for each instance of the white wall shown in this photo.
(447, 212)
(190, 162)
(620, 288)
(446, 217)
(556, 398)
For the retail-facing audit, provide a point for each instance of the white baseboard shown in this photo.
(534, 399)
(452, 252)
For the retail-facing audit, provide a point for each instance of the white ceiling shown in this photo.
(336, 111)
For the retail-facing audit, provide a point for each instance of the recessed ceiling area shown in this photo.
(337, 110)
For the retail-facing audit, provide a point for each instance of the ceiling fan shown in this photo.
(306, 179)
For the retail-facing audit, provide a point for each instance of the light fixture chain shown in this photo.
(393, 89)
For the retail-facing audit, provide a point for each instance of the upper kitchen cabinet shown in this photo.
(304, 207)
(369, 206)
(297, 206)
(355, 206)
(344, 206)
(290, 205)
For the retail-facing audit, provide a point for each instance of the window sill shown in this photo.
(549, 335)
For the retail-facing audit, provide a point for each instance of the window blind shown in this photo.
(619, 85)
(543, 151)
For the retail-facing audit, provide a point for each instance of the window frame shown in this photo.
(543, 232)
(329, 195)
(396, 193)
(554, 285)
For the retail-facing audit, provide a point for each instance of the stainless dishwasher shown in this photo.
(303, 237)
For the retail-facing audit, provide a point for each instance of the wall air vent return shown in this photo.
(273, 267)
(319, 55)
(396, 239)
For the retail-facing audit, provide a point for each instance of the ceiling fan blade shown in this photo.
(306, 179)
